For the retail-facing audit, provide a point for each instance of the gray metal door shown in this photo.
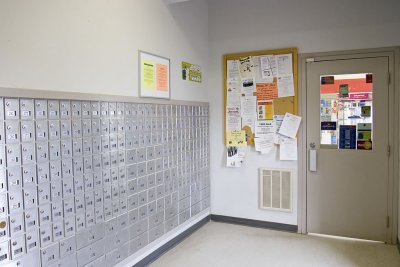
(348, 129)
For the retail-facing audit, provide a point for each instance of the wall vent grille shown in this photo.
(275, 189)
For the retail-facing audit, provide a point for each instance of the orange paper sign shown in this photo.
(267, 91)
(162, 77)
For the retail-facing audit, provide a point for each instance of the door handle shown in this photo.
(312, 159)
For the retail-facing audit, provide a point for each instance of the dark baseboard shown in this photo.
(218, 218)
(398, 244)
(255, 223)
(170, 244)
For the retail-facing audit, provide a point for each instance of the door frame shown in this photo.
(393, 54)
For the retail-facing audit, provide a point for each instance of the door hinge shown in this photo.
(388, 151)
(387, 221)
(309, 60)
(388, 78)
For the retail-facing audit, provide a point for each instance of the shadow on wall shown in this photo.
(192, 18)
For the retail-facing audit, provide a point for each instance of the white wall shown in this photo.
(92, 46)
(311, 26)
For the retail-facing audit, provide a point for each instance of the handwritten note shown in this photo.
(266, 91)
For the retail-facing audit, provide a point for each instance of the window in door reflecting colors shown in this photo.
(346, 111)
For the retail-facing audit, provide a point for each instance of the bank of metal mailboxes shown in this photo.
(89, 183)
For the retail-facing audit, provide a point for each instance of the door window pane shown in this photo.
(346, 111)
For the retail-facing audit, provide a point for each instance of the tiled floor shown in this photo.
(219, 244)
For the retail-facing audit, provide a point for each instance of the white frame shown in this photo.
(144, 92)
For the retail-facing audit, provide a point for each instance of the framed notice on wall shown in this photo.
(154, 76)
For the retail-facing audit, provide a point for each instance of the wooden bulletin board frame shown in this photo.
(282, 102)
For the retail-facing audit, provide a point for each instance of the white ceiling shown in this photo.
(169, 2)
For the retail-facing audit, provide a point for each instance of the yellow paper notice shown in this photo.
(148, 75)
(236, 138)
(265, 110)
(269, 111)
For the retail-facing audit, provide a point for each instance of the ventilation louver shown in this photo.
(275, 189)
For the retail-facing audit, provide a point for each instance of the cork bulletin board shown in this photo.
(269, 77)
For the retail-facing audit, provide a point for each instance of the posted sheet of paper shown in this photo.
(235, 156)
(148, 74)
(288, 149)
(264, 144)
(290, 125)
(285, 86)
(247, 86)
(162, 73)
(268, 67)
(233, 86)
(265, 110)
(233, 119)
(264, 128)
(233, 99)
(266, 91)
(257, 71)
(248, 106)
(284, 64)
(246, 67)
(278, 122)
(344, 90)
(236, 138)
(232, 69)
